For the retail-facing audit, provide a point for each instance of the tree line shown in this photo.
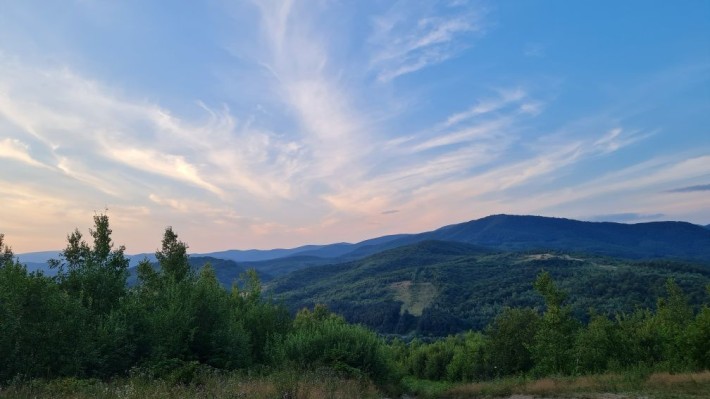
(177, 322)
(522, 341)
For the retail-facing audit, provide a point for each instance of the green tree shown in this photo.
(263, 320)
(219, 340)
(511, 336)
(597, 345)
(189, 318)
(639, 341)
(165, 310)
(673, 316)
(553, 344)
(43, 328)
(173, 258)
(6, 254)
(698, 336)
(471, 358)
(96, 275)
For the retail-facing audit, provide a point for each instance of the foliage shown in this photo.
(43, 328)
(553, 343)
(511, 336)
(94, 274)
(322, 339)
(474, 285)
(178, 324)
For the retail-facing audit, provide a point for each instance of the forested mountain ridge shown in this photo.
(655, 240)
(227, 272)
(320, 251)
(442, 287)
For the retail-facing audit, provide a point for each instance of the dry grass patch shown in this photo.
(296, 386)
(671, 379)
(658, 385)
(415, 297)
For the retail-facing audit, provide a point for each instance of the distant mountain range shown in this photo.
(227, 271)
(678, 240)
(319, 251)
(460, 276)
(655, 240)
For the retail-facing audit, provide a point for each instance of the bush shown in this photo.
(320, 340)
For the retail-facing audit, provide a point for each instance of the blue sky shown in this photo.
(263, 124)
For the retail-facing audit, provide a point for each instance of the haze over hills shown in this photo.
(667, 240)
(655, 240)
(227, 271)
(460, 276)
(321, 251)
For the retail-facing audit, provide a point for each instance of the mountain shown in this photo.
(226, 271)
(37, 261)
(38, 257)
(319, 251)
(39, 267)
(283, 266)
(255, 255)
(442, 287)
(279, 262)
(655, 240)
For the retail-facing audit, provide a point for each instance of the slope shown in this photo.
(437, 288)
(227, 272)
(655, 240)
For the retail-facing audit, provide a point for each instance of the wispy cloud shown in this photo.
(505, 98)
(19, 151)
(483, 132)
(410, 37)
(310, 85)
(691, 189)
(172, 166)
(617, 138)
(316, 127)
(642, 182)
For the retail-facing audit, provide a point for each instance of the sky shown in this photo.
(265, 124)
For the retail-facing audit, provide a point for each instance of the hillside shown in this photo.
(437, 287)
(655, 240)
(318, 251)
(226, 271)
(283, 266)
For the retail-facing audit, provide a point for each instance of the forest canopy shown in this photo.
(177, 322)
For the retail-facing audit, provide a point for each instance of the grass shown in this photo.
(282, 384)
(326, 385)
(629, 385)
(424, 388)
